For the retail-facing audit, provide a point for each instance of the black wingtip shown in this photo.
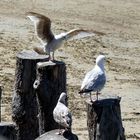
(84, 91)
(81, 91)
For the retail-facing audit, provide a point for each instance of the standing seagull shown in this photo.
(94, 79)
(61, 113)
(51, 42)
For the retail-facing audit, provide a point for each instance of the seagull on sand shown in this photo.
(95, 79)
(61, 113)
(51, 42)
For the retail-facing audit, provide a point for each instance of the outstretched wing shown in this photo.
(42, 26)
(80, 33)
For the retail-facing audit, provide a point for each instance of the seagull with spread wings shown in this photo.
(51, 42)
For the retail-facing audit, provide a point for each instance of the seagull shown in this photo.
(95, 79)
(51, 42)
(61, 113)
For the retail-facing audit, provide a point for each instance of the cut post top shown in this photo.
(54, 136)
(29, 54)
(32, 55)
(105, 102)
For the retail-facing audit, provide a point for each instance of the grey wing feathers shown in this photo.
(42, 26)
(62, 115)
(80, 33)
(69, 119)
(45, 32)
(87, 79)
(92, 81)
(97, 83)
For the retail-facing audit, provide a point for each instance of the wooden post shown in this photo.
(7, 131)
(104, 120)
(52, 135)
(52, 84)
(24, 104)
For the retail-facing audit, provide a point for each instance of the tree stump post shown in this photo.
(52, 84)
(26, 99)
(7, 131)
(104, 120)
(52, 135)
(24, 104)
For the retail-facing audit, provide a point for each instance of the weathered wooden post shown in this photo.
(52, 84)
(104, 120)
(52, 135)
(24, 104)
(7, 131)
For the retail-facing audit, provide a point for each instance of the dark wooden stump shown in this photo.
(52, 84)
(51, 135)
(104, 120)
(24, 104)
(7, 131)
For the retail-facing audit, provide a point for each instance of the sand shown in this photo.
(121, 45)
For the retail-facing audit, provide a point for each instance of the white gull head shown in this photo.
(100, 60)
(63, 98)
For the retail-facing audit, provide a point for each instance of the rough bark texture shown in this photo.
(52, 135)
(7, 131)
(52, 84)
(24, 104)
(104, 120)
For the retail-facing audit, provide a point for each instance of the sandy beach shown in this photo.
(119, 20)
